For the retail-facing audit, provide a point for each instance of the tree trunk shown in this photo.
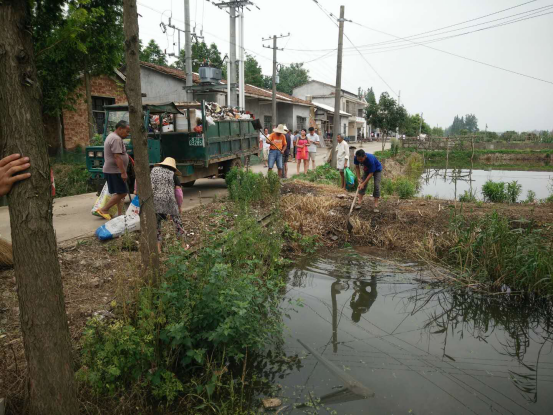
(51, 385)
(133, 90)
(88, 93)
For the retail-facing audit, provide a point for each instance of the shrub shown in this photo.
(406, 189)
(324, 174)
(530, 197)
(387, 186)
(394, 146)
(467, 197)
(97, 140)
(513, 191)
(494, 191)
(246, 186)
(71, 179)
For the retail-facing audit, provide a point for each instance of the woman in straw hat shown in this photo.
(164, 182)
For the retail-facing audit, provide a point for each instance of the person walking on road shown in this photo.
(286, 154)
(342, 158)
(314, 142)
(116, 161)
(264, 146)
(165, 181)
(277, 143)
(371, 168)
(302, 154)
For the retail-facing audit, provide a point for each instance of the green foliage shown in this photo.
(307, 244)
(467, 197)
(201, 53)
(252, 71)
(97, 140)
(405, 188)
(530, 197)
(493, 251)
(413, 125)
(437, 132)
(501, 192)
(394, 146)
(324, 174)
(213, 307)
(152, 53)
(246, 186)
(71, 179)
(463, 126)
(386, 114)
(290, 77)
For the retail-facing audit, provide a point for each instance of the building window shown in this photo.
(99, 113)
(268, 122)
(345, 131)
(301, 121)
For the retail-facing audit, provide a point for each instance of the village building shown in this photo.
(350, 103)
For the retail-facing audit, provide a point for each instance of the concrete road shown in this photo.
(72, 217)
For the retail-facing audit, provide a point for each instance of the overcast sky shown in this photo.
(430, 81)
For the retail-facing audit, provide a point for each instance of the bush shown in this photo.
(394, 146)
(530, 197)
(71, 179)
(324, 174)
(406, 189)
(246, 186)
(467, 197)
(497, 252)
(209, 311)
(97, 140)
(500, 192)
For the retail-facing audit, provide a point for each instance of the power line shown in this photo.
(442, 28)
(458, 56)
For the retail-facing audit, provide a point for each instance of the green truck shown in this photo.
(211, 152)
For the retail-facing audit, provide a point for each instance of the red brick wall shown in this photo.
(75, 122)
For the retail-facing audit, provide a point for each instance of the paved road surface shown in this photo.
(72, 217)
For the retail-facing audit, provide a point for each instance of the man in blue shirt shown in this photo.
(371, 168)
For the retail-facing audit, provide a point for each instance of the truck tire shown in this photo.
(229, 164)
(189, 184)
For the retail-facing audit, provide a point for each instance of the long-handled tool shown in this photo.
(350, 225)
(257, 126)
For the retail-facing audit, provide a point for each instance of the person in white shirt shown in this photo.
(342, 158)
(314, 142)
(264, 145)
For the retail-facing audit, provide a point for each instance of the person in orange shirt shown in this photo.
(277, 141)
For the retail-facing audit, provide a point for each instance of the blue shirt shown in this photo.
(370, 165)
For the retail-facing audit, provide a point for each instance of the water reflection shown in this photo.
(420, 349)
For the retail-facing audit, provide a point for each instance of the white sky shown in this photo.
(432, 82)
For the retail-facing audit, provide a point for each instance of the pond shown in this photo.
(374, 337)
(450, 184)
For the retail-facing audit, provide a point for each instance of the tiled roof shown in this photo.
(176, 73)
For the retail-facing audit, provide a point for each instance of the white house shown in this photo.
(351, 104)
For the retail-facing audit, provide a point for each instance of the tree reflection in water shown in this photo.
(518, 325)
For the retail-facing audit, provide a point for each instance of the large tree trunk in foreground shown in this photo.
(133, 90)
(51, 384)
(88, 93)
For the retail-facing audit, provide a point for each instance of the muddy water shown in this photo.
(374, 337)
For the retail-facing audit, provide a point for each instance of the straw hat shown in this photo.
(169, 162)
(280, 129)
(286, 128)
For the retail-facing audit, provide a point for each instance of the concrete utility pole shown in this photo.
(232, 6)
(241, 79)
(188, 49)
(398, 104)
(420, 127)
(274, 48)
(338, 92)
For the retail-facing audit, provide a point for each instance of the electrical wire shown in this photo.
(456, 55)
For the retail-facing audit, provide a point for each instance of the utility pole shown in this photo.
(420, 127)
(241, 79)
(398, 104)
(233, 5)
(338, 92)
(188, 50)
(274, 48)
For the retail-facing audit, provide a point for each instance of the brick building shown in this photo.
(105, 90)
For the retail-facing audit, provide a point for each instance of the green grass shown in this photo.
(324, 174)
(499, 253)
(71, 179)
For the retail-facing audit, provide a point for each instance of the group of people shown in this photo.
(164, 178)
(281, 145)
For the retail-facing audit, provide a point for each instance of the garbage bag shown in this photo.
(118, 226)
(134, 207)
(350, 178)
(104, 197)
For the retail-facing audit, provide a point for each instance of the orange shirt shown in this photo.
(279, 141)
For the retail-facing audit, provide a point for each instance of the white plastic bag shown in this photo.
(118, 226)
(104, 197)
